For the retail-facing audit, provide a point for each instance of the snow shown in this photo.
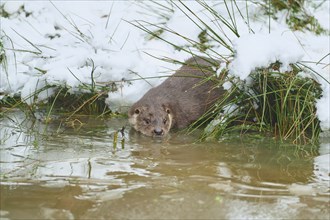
(61, 40)
(260, 50)
(323, 109)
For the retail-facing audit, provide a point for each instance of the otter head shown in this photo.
(153, 121)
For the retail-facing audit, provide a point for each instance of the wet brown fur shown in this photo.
(178, 101)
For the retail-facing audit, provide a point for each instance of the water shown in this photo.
(74, 171)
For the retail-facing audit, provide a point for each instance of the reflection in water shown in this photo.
(53, 172)
(27, 201)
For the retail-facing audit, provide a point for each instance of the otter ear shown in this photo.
(137, 111)
(166, 108)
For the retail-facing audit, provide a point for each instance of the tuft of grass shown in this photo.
(80, 103)
(119, 134)
(281, 104)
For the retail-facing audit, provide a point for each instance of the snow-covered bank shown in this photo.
(62, 38)
(58, 43)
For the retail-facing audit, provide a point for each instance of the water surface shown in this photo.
(75, 171)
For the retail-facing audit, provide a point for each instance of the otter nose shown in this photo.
(158, 131)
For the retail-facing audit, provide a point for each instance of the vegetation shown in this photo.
(281, 104)
(89, 100)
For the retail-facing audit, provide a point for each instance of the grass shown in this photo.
(63, 102)
(280, 104)
(82, 103)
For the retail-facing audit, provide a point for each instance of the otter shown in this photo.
(179, 101)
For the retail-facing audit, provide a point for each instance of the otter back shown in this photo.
(179, 100)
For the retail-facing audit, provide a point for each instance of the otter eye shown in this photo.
(164, 121)
(146, 121)
(137, 111)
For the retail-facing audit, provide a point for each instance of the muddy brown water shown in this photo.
(74, 171)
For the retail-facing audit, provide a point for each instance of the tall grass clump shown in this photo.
(280, 104)
(274, 102)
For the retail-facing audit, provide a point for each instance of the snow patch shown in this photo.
(260, 50)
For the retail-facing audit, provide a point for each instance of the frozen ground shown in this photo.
(58, 42)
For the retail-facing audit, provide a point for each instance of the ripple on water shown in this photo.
(175, 178)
